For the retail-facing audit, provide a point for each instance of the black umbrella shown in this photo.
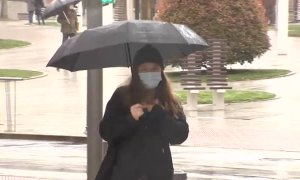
(113, 45)
(57, 7)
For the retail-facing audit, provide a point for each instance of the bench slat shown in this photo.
(191, 64)
(217, 79)
(216, 63)
(192, 68)
(216, 71)
(22, 16)
(189, 73)
(190, 84)
(194, 88)
(191, 79)
(217, 84)
(220, 87)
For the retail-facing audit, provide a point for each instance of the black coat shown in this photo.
(140, 147)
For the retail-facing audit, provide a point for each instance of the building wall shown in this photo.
(120, 10)
(15, 7)
(18, 6)
(298, 11)
(294, 10)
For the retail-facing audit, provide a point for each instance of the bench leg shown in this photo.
(218, 99)
(192, 102)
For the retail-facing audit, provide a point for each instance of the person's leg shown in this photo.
(65, 37)
(30, 17)
(38, 17)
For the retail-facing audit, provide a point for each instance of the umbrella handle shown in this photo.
(66, 17)
(128, 54)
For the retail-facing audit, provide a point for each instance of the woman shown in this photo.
(69, 22)
(140, 121)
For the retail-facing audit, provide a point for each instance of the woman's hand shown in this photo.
(136, 111)
(150, 106)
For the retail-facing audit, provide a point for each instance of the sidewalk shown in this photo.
(66, 161)
(56, 104)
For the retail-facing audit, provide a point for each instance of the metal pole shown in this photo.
(130, 9)
(94, 99)
(282, 26)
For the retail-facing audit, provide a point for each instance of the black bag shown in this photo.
(106, 168)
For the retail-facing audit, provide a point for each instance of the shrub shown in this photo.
(241, 22)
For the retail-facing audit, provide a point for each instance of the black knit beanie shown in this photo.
(147, 54)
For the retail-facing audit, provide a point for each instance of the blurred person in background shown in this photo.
(69, 22)
(39, 6)
(30, 10)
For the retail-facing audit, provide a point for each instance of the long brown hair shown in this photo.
(136, 93)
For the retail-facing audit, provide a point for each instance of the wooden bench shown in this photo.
(191, 78)
(214, 60)
(191, 74)
(217, 73)
(22, 16)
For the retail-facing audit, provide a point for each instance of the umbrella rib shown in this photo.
(128, 54)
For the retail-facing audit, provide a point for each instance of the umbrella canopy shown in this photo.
(114, 45)
(56, 7)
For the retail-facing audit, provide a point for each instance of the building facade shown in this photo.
(294, 10)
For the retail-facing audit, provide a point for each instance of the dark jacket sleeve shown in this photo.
(117, 122)
(173, 130)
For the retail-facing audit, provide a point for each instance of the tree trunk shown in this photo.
(146, 10)
(4, 7)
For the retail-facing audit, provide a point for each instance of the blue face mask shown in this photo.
(150, 79)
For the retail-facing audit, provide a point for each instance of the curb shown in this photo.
(72, 139)
(178, 174)
(30, 78)
(36, 77)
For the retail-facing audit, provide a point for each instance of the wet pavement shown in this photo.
(258, 140)
(67, 161)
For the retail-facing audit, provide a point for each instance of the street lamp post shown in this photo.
(94, 99)
(282, 26)
(130, 10)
